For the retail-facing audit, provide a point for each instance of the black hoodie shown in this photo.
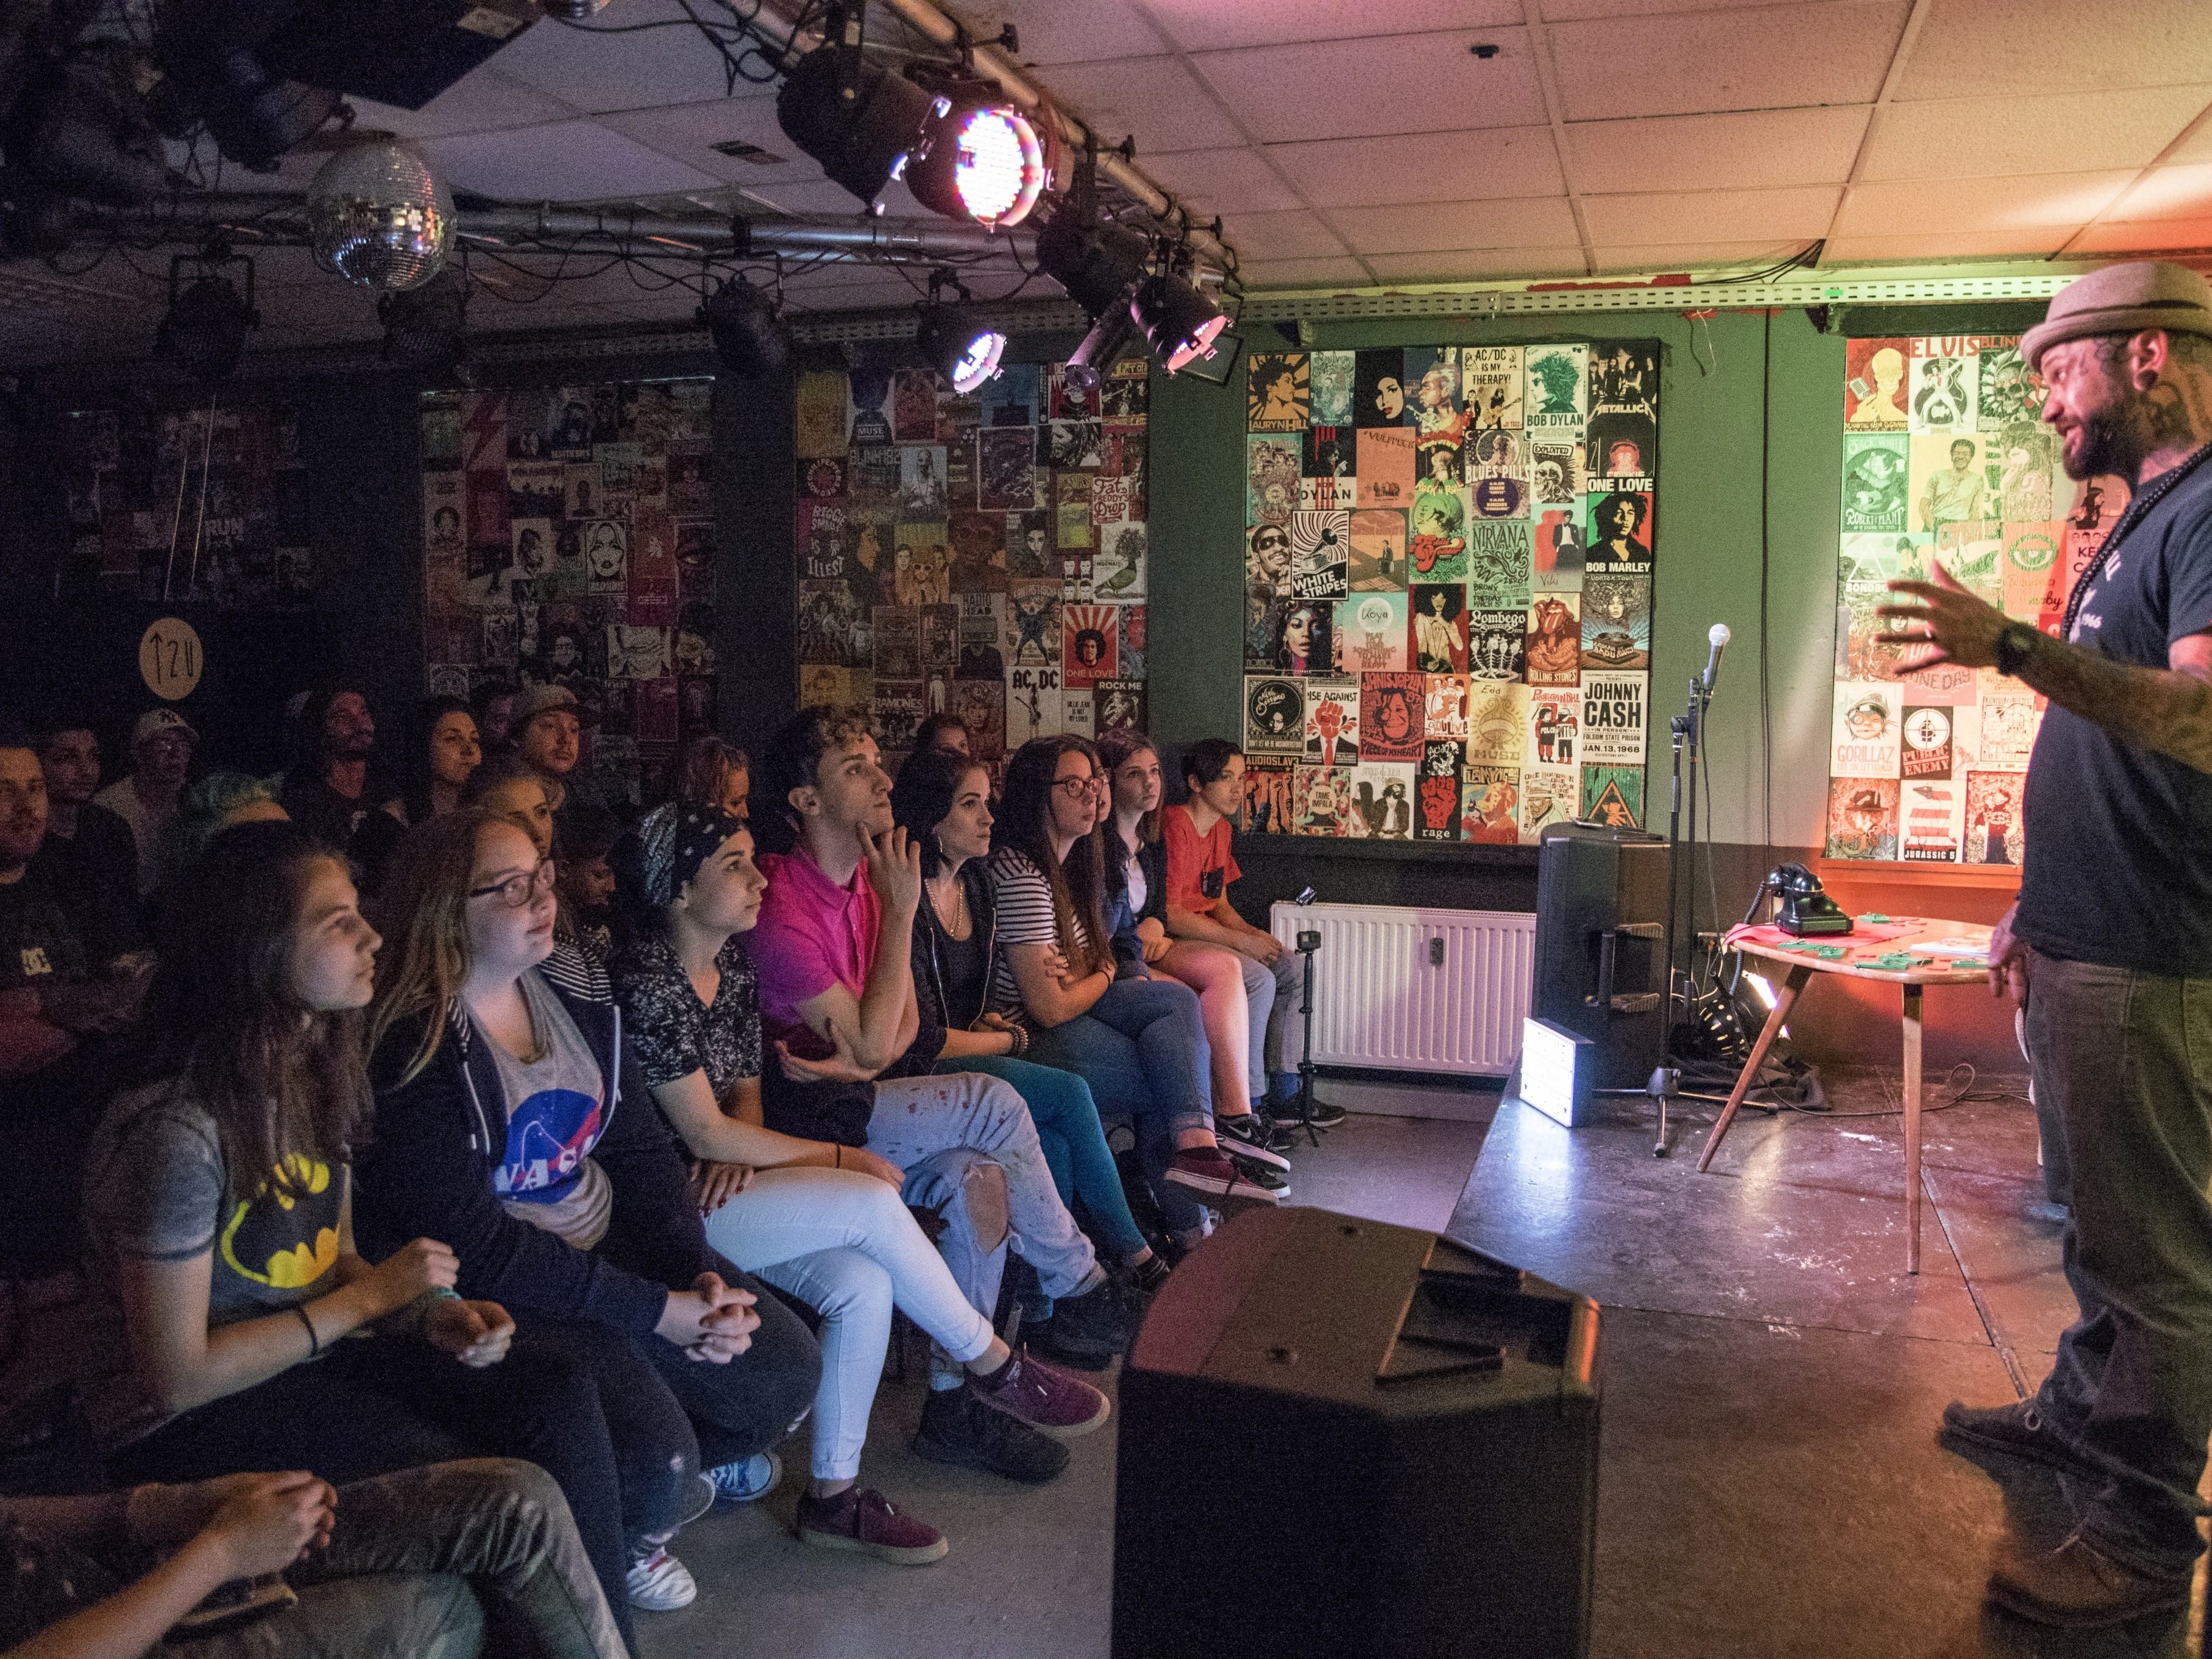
(428, 1173)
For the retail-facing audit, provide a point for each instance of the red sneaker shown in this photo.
(1043, 1397)
(858, 1518)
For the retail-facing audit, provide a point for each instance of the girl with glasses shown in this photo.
(511, 1113)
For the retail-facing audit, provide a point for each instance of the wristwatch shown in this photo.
(2014, 641)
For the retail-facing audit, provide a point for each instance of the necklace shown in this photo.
(2138, 507)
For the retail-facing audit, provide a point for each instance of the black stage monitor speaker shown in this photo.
(1600, 945)
(1409, 1430)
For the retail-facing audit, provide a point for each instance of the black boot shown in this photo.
(956, 1429)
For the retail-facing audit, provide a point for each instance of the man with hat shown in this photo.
(161, 746)
(548, 733)
(2110, 946)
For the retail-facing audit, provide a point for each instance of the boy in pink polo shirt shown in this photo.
(834, 950)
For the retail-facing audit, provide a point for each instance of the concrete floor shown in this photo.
(1770, 1485)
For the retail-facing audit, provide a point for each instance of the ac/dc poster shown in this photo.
(1946, 463)
(568, 539)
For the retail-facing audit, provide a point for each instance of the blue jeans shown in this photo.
(1142, 1049)
(1067, 1127)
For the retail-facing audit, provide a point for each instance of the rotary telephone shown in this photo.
(1801, 907)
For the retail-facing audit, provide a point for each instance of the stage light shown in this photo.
(202, 335)
(859, 120)
(978, 161)
(1180, 322)
(423, 326)
(958, 347)
(379, 217)
(1098, 264)
(749, 337)
(1088, 364)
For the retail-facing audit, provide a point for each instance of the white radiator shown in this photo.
(1415, 990)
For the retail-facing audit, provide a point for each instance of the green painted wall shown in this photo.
(1721, 389)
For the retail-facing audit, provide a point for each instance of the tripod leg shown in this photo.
(1305, 1057)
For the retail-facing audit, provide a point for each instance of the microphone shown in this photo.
(1717, 639)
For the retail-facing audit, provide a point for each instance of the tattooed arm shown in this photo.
(2166, 709)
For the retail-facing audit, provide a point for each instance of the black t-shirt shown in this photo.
(93, 875)
(2117, 868)
(38, 946)
(965, 965)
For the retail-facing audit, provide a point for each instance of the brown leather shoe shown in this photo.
(2079, 1587)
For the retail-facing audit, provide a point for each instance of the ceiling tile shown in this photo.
(1429, 167)
(2008, 47)
(1528, 221)
(1799, 215)
(1564, 11)
(1214, 25)
(1056, 32)
(2051, 199)
(2169, 192)
(1302, 273)
(688, 133)
(2197, 147)
(1474, 265)
(1157, 99)
(1238, 180)
(567, 161)
(1941, 244)
(2068, 132)
(1691, 256)
(1382, 84)
(1747, 150)
(480, 101)
(1281, 236)
(594, 72)
(2144, 237)
(1767, 57)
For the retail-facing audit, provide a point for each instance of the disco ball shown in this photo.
(379, 219)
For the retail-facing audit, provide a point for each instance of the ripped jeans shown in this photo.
(939, 1130)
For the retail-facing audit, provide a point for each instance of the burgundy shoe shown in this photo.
(1208, 1170)
(858, 1518)
(1043, 1397)
(2079, 1587)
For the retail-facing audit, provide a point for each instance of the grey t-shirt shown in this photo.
(555, 1109)
(157, 1188)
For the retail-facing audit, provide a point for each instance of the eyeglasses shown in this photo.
(518, 890)
(1076, 789)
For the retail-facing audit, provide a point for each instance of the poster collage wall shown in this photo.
(1946, 460)
(982, 555)
(207, 503)
(1449, 554)
(568, 539)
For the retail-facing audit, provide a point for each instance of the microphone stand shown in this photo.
(1688, 730)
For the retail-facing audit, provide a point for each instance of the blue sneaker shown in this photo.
(747, 1478)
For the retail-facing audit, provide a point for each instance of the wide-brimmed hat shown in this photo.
(2123, 299)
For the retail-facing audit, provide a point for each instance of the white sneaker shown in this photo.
(659, 1582)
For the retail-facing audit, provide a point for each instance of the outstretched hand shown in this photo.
(1950, 624)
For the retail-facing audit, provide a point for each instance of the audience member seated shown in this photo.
(947, 733)
(443, 752)
(1200, 870)
(404, 1564)
(549, 736)
(835, 951)
(716, 773)
(330, 790)
(507, 785)
(1139, 1043)
(219, 1224)
(585, 888)
(56, 1018)
(88, 861)
(823, 1221)
(942, 800)
(511, 1118)
(161, 746)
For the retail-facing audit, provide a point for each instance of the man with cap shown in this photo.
(2110, 946)
(161, 746)
(549, 736)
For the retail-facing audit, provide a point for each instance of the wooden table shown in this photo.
(1858, 962)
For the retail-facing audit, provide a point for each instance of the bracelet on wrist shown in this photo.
(314, 1342)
